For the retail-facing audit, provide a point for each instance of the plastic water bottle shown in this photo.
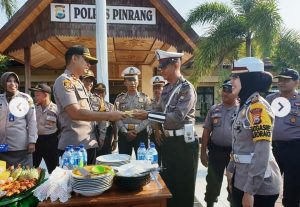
(66, 158)
(71, 148)
(78, 158)
(152, 154)
(84, 154)
(141, 152)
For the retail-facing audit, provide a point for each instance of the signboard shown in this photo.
(114, 14)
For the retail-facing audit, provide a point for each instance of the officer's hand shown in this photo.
(229, 176)
(31, 147)
(204, 159)
(131, 135)
(117, 115)
(139, 114)
(248, 200)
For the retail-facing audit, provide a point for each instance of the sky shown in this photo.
(289, 10)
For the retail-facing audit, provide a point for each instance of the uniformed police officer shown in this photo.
(217, 137)
(131, 131)
(256, 175)
(286, 136)
(107, 129)
(156, 136)
(46, 116)
(72, 99)
(177, 114)
(17, 122)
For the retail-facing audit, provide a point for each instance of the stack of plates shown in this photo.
(133, 183)
(91, 186)
(113, 159)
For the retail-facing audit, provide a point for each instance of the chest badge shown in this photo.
(141, 100)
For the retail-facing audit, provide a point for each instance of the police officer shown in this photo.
(17, 122)
(217, 137)
(131, 131)
(156, 136)
(75, 114)
(106, 128)
(256, 175)
(177, 114)
(286, 136)
(46, 116)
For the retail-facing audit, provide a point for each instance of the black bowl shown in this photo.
(133, 183)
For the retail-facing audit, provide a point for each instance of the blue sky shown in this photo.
(289, 10)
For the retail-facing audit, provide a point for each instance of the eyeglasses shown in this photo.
(227, 90)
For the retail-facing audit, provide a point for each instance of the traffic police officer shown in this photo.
(177, 114)
(286, 136)
(17, 122)
(156, 136)
(107, 129)
(131, 131)
(217, 137)
(46, 116)
(256, 175)
(72, 99)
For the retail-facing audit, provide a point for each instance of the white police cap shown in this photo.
(248, 64)
(131, 72)
(161, 54)
(158, 80)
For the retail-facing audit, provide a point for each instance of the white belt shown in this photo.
(173, 133)
(245, 159)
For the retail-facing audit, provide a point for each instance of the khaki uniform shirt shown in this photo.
(104, 124)
(125, 102)
(70, 90)
(287, 128)
(46, 119)
(252, 133)
(219, 121)
(17, 132)
(182, 107)
(95, 101)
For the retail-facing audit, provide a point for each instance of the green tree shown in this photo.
(9, 6)
(252, 25)
(287, 50)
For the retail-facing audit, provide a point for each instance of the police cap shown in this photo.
(81, 50)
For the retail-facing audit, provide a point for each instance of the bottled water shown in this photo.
(71, 148)
(141, 152)
(78, 158)
(152, 154)
(66, 158)
(84, 154)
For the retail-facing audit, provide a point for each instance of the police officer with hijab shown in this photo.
(256, 176)
(131, 132)
(177, 115)
(286, 136)
(217, 138)
(76, 117)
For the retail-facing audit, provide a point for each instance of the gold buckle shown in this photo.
(131, 127)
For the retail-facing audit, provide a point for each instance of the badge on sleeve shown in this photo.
(256, 115)
(11, 117)
(67, 84)
(293, 119)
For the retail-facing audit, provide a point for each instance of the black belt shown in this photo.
(213, 146)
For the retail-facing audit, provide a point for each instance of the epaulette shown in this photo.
(255, 99)
(121, 94)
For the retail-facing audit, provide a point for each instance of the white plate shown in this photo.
(18, 106)
(113, 158)
(91, 193)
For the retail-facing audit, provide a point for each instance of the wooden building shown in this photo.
(41, 31)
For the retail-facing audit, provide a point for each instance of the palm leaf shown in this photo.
(9, 6)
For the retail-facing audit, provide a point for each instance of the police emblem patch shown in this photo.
(293, 119)
(256, 115)
(141, 100)
(67, 84)
(215, 120)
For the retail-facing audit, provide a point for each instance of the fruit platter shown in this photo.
(18, 183)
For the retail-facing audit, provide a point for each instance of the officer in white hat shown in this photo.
(286, 136)
(157, 83)
(177, 114)
(131, 131)
(257, 178)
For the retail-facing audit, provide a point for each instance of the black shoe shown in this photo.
(210, 204)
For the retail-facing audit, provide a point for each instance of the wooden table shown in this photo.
(149, 196)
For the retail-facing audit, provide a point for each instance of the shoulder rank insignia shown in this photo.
(255, 99)
(67, 84)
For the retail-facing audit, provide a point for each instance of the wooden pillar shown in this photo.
(27, 64)
(147, 73)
